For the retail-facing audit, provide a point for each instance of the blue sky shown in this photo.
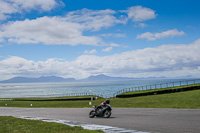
(76, 38)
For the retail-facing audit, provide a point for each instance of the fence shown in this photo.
(158, 86)
(6, 99)
(82, 94)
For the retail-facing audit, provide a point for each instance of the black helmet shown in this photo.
(107, 101)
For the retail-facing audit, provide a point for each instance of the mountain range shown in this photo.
(101, 77)
(40, 79)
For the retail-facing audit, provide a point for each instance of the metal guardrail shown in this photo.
(82, 94)
(158, 86)
(64, 95)
(6, 99)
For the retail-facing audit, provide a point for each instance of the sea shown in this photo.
(105, 89)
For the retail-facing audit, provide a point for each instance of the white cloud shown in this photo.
(47, 30)
(139, 13)
(8, 7)
(94, 19)
(1, 37)
(108, 49)
(141, 25)
(113, 35)
(67, 30)
(35, 4)
(93, 51)
(166, 60)
(114, 45)
(169, 33)
(5, 9)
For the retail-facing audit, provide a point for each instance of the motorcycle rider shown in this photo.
(106, 102)
(103, 110)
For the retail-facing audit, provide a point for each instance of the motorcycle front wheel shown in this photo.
(92, 114)
(107, 114)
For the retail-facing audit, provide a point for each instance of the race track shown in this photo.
(140, 119)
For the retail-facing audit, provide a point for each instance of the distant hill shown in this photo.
(100, 77)
(103, 77)
(40, 79)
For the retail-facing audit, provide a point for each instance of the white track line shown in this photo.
(106, 129)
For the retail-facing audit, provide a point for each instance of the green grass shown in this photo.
(187, 99)
(9, 124)
(49, 104)
(153, 90)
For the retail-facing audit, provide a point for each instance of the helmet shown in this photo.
(107, 101)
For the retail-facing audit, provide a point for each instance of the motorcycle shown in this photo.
(102, 111)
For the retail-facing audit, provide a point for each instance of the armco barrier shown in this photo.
(158, 86)
(61, 99)
(81, 94)
(159, 92)
(6, 99)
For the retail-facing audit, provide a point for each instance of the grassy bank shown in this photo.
(154, 90)
(10, 124)
(188, 99)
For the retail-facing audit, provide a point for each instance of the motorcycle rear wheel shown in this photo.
(92, 114)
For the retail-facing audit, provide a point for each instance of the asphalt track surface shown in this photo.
(141, 119)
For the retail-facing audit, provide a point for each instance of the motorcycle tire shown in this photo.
(107, 114)
(92, 114)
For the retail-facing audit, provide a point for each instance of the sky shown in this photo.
(118, 38)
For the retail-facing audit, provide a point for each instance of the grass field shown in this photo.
(188, 99)
(153, 90)
(9, 124)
